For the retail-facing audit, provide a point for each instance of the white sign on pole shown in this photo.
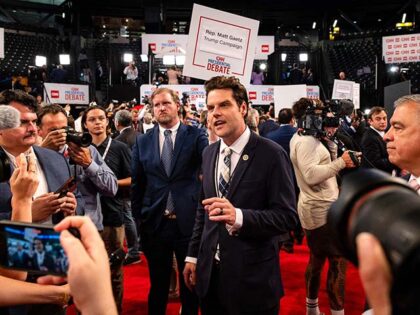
(342, 89)
(1, 42)
(286, 95)
(260, 94)
(220, 43)
(164, 44)
(356, 95)
(401, 48)
(312, 91)
(66, 93)
(196, 92)
(264, 47)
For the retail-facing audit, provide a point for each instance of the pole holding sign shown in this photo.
(220, 43)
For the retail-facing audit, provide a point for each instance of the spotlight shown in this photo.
(335, 23)
(168, 60)
(283, 57)
(393, 69)
(40, 61)
(367, 111)
(404, 16)
(180, 60)
(303, 57)
(144, 58)
(128, 57)
(263, 66)
(64, 59)
(314, 25)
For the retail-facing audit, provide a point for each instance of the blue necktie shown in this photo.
(166, 158)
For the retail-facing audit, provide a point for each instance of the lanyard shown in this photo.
(107, 148)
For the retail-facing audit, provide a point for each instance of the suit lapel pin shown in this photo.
(245, 157)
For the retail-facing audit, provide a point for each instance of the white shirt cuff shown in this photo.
(233, 229)
(191, 260)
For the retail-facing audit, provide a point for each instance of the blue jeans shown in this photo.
(130, 230)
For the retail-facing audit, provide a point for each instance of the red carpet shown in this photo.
(292, 268)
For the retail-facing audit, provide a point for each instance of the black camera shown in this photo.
(372, 201)
(5, 167)
(185, 98)
(82, 139)
(316, 119)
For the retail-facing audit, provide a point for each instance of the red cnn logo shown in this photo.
(265, 48)
(55, 94)
(153, 46)
(252, 95)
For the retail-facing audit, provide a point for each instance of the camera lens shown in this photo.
(372, 201)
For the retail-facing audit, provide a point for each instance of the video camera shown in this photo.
(316, 119)
(372, 201)
(185, 98)
(82, 139)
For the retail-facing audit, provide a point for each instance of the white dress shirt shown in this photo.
(174, 130)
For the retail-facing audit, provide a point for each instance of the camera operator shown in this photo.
(131, 73)
(402, 146)
(93, 176)
(314, 158)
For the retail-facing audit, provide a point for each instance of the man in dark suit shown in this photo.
(247, 200)
(373, 145)
(282, 137)
(270, 124)
(123, 124)
(41, 259)
(166, 165)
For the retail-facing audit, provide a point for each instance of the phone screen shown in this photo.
(32, 248)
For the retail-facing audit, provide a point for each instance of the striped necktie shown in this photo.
(224, 177)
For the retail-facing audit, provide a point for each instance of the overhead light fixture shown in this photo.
(314, 25)
(367, 111)
(263, 66)
(63, 15)
(103, 26)
(128, 57)
(303, 57)
(168, 60)
(394, 69)
(335, 23)
(404, 16)
(379, 20)
(144, 58)
(40, 61)
(283, 57)
(126, 20)
(354, 22)
(64, 59)
(180, 60)
(406, 24)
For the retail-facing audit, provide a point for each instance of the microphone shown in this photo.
(9, 117)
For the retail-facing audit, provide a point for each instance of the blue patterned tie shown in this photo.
(224, 177)
(166, 158)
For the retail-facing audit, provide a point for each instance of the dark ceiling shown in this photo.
(155, 16)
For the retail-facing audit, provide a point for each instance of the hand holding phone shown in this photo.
(32, 247)
(89, 273)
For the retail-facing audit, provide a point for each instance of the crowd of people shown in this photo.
(222, 193)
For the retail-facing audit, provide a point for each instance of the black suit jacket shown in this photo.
(150, 184)
(128, 136)
(374, 149)
(262, 187)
